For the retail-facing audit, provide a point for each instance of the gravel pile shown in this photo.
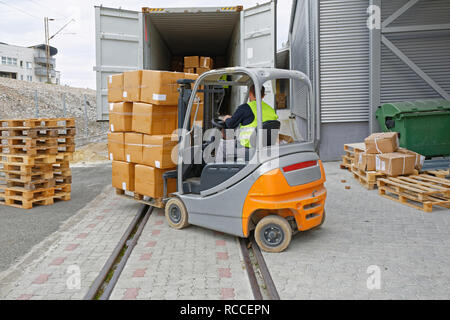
(17, 100)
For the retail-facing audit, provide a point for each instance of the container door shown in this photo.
(119, 48)
(259, 40)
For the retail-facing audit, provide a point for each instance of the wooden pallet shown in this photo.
(14, 159)
(29, 142)
(157, 203)
(44, 123)
(368, 179)
(24, 169)
(42, 184)
(33, 175)
(348, 158)
(32, 152)
(443, 174)
(419, 191)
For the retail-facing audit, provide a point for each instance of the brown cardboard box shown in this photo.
(199, 114)
(395, 164)
(189, 70)
(120, 116)
(116, 146)
(419, 158)
(192, 62)
(131, 85)
(382, 143)
(115, 88)
(123, 175)
(158, 151)
(202, 70)
(366, 161)
(160, 87)
(150, 183)
(153, 120)
(133, 147)
(206, 62)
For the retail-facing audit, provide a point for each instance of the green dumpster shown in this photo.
(423, 126)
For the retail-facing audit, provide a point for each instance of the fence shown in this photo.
(88, 129)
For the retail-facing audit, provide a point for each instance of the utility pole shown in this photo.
(47, 43)
(47, 48)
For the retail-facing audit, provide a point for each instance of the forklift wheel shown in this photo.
(176, 214)
(273, 234)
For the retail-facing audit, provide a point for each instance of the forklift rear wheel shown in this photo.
(176, 214)
(273, 234)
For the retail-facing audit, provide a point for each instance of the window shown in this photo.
(21, 77)
(21, 63)
(14, 62)
(29, 65)
(10, 61)
(3, 60)
(30, 78)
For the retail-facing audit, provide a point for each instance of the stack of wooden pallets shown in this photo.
(348, 158)
(35, 159)
(419, 191)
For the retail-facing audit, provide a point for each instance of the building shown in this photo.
(28, 64)
(361, 54)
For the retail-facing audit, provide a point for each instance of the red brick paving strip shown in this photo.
(145, 257)
(25, 297)
(131, 294)
(71, 247)
(139, 273)
(227, 293)
(224, 273)
(222, 256)
(43, 278)
(58, 261)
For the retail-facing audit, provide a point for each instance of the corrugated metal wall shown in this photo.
(429, 50)
(344, 61)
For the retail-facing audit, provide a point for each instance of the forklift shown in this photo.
(272, 189)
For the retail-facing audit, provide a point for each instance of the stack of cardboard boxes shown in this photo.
(384, 155)
(197, 65)
(143, 120)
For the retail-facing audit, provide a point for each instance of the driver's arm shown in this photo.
(238, 117)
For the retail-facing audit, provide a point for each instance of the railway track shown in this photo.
(262, 285)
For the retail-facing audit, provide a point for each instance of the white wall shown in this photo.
(21, 54)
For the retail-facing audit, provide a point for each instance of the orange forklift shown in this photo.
(275, 189)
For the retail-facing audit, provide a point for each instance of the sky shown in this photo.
(22, 24)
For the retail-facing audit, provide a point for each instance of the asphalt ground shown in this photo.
(21, 229)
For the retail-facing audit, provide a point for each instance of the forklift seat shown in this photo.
(272, 129)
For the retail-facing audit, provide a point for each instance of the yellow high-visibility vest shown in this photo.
(268, 114)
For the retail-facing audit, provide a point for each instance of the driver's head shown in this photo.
(252, 94)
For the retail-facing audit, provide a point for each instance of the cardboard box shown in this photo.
(365, 161)
(116, 146)
(395, 164)
(133, 147)
(382, 143)
(201, 70)
(199, 114)
(123, 175)
(189, 70)
(115, 88)
(192, 62)
(158, 151)
(206, 62)
(154, 120)
(120, 116)
(150, 183)
(420, 160)
(132, 81)
(160, 87)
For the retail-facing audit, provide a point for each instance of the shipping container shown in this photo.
(130, 40)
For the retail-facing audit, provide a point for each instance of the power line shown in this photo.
(20, 10)
(43, 5)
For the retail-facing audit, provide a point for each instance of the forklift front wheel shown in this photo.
(176, 214)
(273, 234)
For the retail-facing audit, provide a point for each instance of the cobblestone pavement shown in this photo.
(188, 264)
(66, 264)
(408, 247)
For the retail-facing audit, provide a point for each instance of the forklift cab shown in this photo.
(281, 184)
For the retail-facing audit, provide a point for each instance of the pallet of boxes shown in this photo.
(35, 159)
(395, 171)
(198, 65)
(142, 139)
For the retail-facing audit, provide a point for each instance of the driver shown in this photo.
(245, 117)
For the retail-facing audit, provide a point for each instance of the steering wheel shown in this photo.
(218, 123)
